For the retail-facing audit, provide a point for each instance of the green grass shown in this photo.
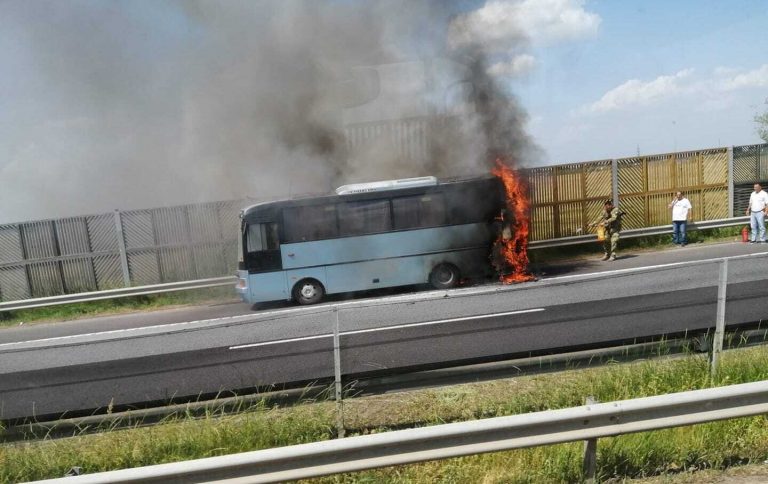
(66, 312)
(715, 445)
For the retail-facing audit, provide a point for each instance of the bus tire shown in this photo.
(444, 276)
(308, 291)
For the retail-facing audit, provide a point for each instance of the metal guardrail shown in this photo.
(642, 232)
(458, 439)
(116, 293)
(473, 373)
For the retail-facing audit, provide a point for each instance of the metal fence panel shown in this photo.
(38, 240)
(204, 223)
(14, 284)
(144, 268)
(171, 226)
(81, 254)
(72, 236)
(138, 229)
(108, 272)
(45, 279)
(176, 265)
(102, 233)
(408, 138)
(10, 244)
(78, 275)
(750, 163)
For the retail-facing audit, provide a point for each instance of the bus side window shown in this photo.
(303, 224)
(360, 218)
(263, 237)
(471, 204)
(420, 211)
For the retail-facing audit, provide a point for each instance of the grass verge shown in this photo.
(65, 312)
(710, 446)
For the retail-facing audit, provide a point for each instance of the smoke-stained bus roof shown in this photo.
(269, 210)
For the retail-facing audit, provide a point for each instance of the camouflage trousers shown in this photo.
(610, 244)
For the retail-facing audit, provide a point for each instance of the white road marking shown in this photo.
(281, 341)
(442, 321)
(670, 265)
(386, 328)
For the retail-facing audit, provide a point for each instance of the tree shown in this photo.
(762, 124)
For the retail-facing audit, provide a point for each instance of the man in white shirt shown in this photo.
(758, 207)
(681, 213)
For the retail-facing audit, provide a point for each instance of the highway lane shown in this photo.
(390, 334)
(209, 313)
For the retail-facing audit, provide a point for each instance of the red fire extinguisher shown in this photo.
(745, 235)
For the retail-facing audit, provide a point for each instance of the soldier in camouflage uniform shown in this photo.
(611, 220)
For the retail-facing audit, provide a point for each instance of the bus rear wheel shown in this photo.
(308, 291)
(444, 276)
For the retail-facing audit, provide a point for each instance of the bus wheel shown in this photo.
(444, 276)
(308, 291)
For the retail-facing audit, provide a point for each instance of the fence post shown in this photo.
(615, 181)
(717, 343)
(731, 187)
(589, 467)
(121, 247)
(337, 375)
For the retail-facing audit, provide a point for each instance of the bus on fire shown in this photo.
(368, 236)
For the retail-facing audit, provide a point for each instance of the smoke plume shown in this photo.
(145, 103)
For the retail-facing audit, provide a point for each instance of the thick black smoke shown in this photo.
(145, 103)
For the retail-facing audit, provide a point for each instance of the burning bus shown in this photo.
(377, 235)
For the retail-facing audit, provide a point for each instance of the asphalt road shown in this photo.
(166, 354)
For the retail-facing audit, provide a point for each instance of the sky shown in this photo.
(616, 78)
(100, 98)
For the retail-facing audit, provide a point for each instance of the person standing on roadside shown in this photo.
(611, 220)
(758, 207)
(681, 214)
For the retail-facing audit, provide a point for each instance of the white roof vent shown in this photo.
(422, 181)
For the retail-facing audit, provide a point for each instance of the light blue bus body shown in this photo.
(360, 263)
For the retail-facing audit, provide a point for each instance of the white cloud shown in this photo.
(708, 90)
(518, 66)
(635, 92)
(502, 25)
(754, 78)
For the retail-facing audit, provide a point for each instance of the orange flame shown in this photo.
(512, 246)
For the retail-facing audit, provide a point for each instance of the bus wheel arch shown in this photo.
(444, 276)
(308, 291)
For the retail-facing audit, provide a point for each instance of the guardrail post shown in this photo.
(589, 467)
(717, 343)
(121, 247)
(337, 375)
(731, 187)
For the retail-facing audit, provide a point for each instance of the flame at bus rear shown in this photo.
(510, 252)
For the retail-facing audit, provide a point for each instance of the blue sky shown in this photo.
(709, 42)
(100, 97)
